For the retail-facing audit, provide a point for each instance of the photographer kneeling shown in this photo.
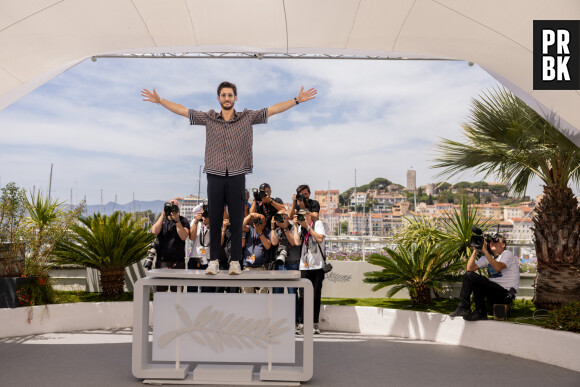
(172, 230)
(499, 288)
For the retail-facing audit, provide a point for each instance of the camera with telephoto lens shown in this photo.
(205, 209)
(257, 221)
(479, 238)
(278, 218)
(168, 208)
(281, 255)
(151, 255)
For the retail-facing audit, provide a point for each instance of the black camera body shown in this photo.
(168, 208)
(479, 238)
(257, 221)
(259, 195)
(299, 197)
(205, 209)
(279, 218)
(300, 217)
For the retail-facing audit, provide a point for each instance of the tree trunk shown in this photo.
(556, 286)
(557, 242)
(423, 296)
(112, 282)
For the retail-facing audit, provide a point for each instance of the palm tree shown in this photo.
(507, 139)
(108, 244)
(417, 268)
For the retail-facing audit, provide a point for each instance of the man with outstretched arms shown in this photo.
(228, 157)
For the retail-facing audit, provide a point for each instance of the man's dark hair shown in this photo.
(301, 187)
(229, 85)
(502, 239)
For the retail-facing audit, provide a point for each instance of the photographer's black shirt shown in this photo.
(268, 211)
(171, 246)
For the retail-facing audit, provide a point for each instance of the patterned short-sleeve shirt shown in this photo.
(228, 144)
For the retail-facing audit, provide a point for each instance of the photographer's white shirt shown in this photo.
(200, 245)
(508, 277)
(311, 258)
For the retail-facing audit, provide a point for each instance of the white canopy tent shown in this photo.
(40, 39)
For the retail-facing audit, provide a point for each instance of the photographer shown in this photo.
(172, 230)
(256, 243)
(311, 235)
(501, 286)
(288, 251)
(264, 204)
(199, 256)
(301, 200)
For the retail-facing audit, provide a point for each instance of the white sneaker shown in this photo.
(316, 329)
(235, 267)
(213, 267)
(299, 329)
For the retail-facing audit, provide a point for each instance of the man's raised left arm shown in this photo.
(303, 96)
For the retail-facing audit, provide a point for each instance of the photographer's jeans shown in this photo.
(289, 266)
(316, 276)
(482, 288)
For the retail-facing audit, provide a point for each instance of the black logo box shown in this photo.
(573, 64)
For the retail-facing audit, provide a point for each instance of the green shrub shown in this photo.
(565, 318)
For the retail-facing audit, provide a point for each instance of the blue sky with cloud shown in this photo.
(378, 117)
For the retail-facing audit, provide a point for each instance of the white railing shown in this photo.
(368, 244)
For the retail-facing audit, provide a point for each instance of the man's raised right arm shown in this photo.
(171, 106)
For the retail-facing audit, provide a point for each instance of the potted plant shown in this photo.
(12, 246)
(30, 226)
(47, 223)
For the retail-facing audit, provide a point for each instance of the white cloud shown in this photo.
(379, 118)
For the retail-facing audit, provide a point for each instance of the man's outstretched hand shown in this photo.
(307, 95)
(150, 96)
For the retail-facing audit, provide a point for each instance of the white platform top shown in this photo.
(223, 274)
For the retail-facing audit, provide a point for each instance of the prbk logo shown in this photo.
(556, 54)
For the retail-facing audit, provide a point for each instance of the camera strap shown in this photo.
(202, 232)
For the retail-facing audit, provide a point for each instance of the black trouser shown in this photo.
(315, 276)
(482, 288)
(222, 190)
(168, 265)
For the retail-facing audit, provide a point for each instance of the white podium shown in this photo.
(212, 332)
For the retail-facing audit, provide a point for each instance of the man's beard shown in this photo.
(227, 107)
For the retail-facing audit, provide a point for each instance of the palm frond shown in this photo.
(105, 242)
(507, 139)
